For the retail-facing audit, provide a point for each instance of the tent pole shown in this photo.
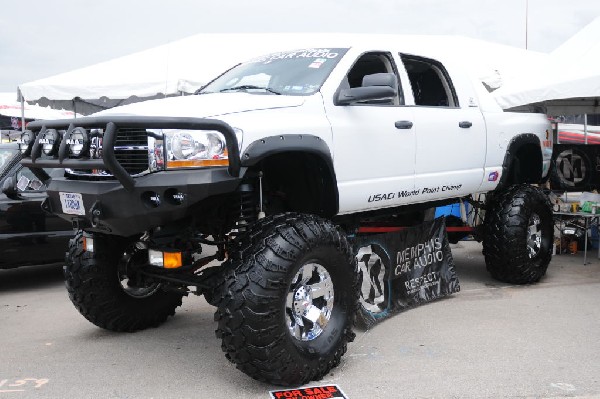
(585, 132)
(22, 109)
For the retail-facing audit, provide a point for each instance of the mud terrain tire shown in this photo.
(519, 234)
(94, 287)
(261, 317)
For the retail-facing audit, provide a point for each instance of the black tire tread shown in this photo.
(249, 337)
(93, 287)
(507, 218)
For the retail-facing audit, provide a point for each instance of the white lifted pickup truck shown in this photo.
(277, 163)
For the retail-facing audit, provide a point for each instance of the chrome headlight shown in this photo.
(195, 148)
(50, 141)
(78, 142)
(25, 141)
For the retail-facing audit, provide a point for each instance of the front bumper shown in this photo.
(155, 200)
(127, 204)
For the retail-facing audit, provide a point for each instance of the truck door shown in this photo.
(374, 143)
(449, 131)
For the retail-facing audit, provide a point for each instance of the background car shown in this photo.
(28, 235)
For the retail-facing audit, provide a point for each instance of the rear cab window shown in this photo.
(430, 82)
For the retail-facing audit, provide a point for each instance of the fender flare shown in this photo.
(306, 143)
(516, 143)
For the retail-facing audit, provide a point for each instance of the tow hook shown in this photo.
(96, 212)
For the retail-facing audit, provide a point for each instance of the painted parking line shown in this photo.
(23, 384)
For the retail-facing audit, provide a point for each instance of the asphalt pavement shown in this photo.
(490, 340)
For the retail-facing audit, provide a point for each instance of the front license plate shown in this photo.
(72, 203)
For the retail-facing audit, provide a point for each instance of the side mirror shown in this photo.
(378, 86)
(9, 188)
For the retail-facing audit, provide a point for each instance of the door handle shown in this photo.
(465, 124)
(403, 125)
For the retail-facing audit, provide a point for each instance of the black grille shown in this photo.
(131, 150)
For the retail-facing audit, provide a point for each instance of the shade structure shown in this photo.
(182, 66)
(569, 84)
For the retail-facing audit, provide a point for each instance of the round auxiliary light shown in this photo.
(49, 141)
(78, 142)
(25, 141)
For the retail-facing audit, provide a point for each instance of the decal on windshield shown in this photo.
(321, 55)
(318, 63)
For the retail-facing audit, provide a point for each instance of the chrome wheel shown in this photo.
(135, 289)
(309, 302)
(137, 292)
(534, 236)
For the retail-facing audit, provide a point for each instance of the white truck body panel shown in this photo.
(376, 164)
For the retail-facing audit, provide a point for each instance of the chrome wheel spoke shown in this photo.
(322, 289)
(309, 302)
(307, 272)
(534, 236)
(313, 313)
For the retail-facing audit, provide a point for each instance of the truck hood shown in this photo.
(206, 105)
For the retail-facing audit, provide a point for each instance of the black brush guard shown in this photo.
(111, 125)
(115, 206)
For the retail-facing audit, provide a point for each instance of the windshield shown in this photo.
(299, 72)
(6, 155)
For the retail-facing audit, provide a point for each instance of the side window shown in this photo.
(6, 155)
(430, 82)
(369, 64)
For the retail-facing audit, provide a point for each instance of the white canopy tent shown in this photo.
(569, 84)
(183, 66)
(14, 115)
(10, 107)
(175, 68)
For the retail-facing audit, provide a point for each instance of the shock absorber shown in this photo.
(245, 212)
(261, 213)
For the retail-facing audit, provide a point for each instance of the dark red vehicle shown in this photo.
(574, 134)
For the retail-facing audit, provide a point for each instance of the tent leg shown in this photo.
(585, 132)
(22, 111)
